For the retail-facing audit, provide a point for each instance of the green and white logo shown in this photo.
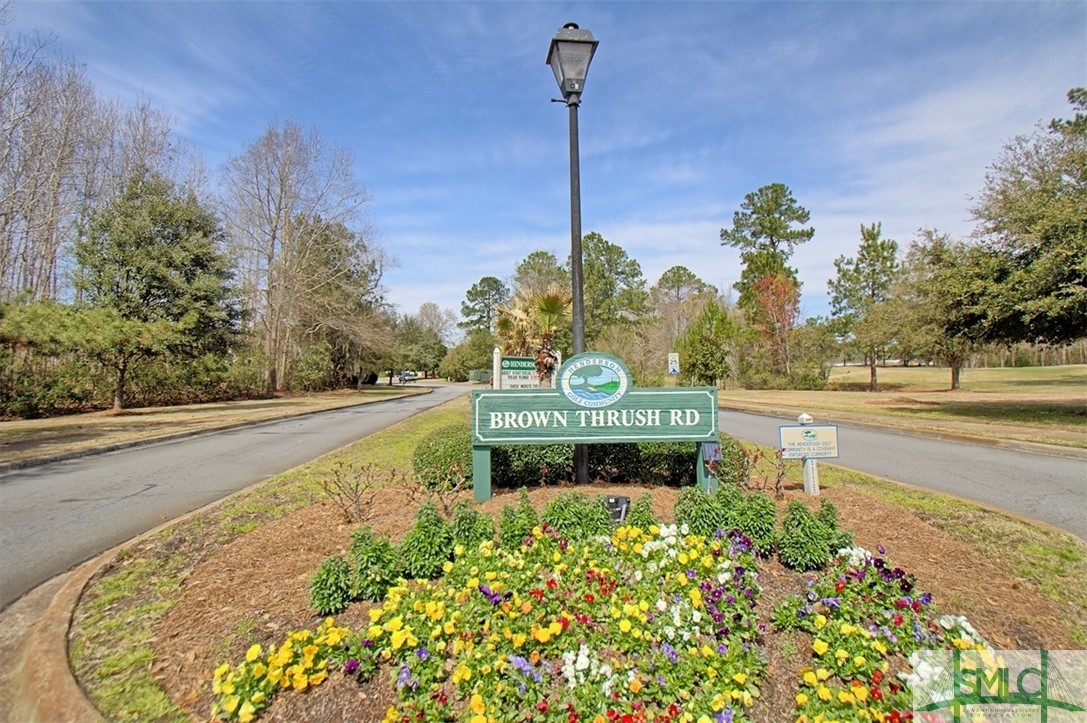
(593, 380)
(968, 685)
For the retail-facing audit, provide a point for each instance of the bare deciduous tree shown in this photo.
(294, 207)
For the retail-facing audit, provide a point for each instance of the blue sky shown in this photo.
(869, 111)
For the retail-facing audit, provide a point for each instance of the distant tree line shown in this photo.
(1013, 293)
(124, 280)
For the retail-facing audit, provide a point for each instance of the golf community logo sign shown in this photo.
(999, 685)
(594, 380)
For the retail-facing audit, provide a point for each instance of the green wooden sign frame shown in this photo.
(594, 404)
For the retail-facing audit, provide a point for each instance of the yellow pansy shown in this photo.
(253, 653)
(476, 704)
(819, 646)
(809, 678)
(801, 699)
(824, 693)
(230, 703)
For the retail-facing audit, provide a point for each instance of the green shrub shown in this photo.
(615, 462)
(805, 541)
(376, 564)
(729, 500)
(330, 588)
(735, 464)
(700, 512)
(837, 538)
(667, 463)
(428, 545)
(641, 515)
(470, 526)
(578, 516)
(758, 520)
(526, 465)
(443, 459)
(516, 523)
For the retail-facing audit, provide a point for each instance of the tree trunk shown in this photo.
(956, 370)
(119, 390)
(873, 386)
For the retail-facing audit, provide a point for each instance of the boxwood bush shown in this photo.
(735, 464)
(443, 459)
(667, 463)
(524, 465)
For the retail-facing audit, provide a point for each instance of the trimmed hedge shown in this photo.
(443, 459)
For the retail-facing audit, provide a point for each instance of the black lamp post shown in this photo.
(569, 56)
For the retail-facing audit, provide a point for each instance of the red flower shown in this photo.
(898, 619)
(542, 706)
(551, 584)
(840, 585)
(590, 598)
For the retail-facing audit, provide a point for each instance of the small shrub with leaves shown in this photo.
(330, 588)
(758, 520)
(615, 462)
(376, 564)
(641, 515)
(531, 464)
(669, 463)
(805, 541)
(735, 465)
(516, 522)
(729, 499)
(578, 516)
(428, 544)
(470, 526)
(700, 511)
(443, 458)
(838, 538)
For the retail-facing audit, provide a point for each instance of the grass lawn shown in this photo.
(1045, 405)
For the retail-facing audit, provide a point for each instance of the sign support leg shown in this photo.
(481, 473)
(811, 477)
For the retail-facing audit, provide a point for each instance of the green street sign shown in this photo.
(518, 363)
(547, 416)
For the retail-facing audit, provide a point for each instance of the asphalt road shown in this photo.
(55, 516)
(1044, 487)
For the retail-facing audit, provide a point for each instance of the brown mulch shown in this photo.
(254, 590)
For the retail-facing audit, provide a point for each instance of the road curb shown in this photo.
(44, 688)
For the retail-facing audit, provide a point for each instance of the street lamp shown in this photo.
(569, 56)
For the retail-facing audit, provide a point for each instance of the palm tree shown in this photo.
(528, 325)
